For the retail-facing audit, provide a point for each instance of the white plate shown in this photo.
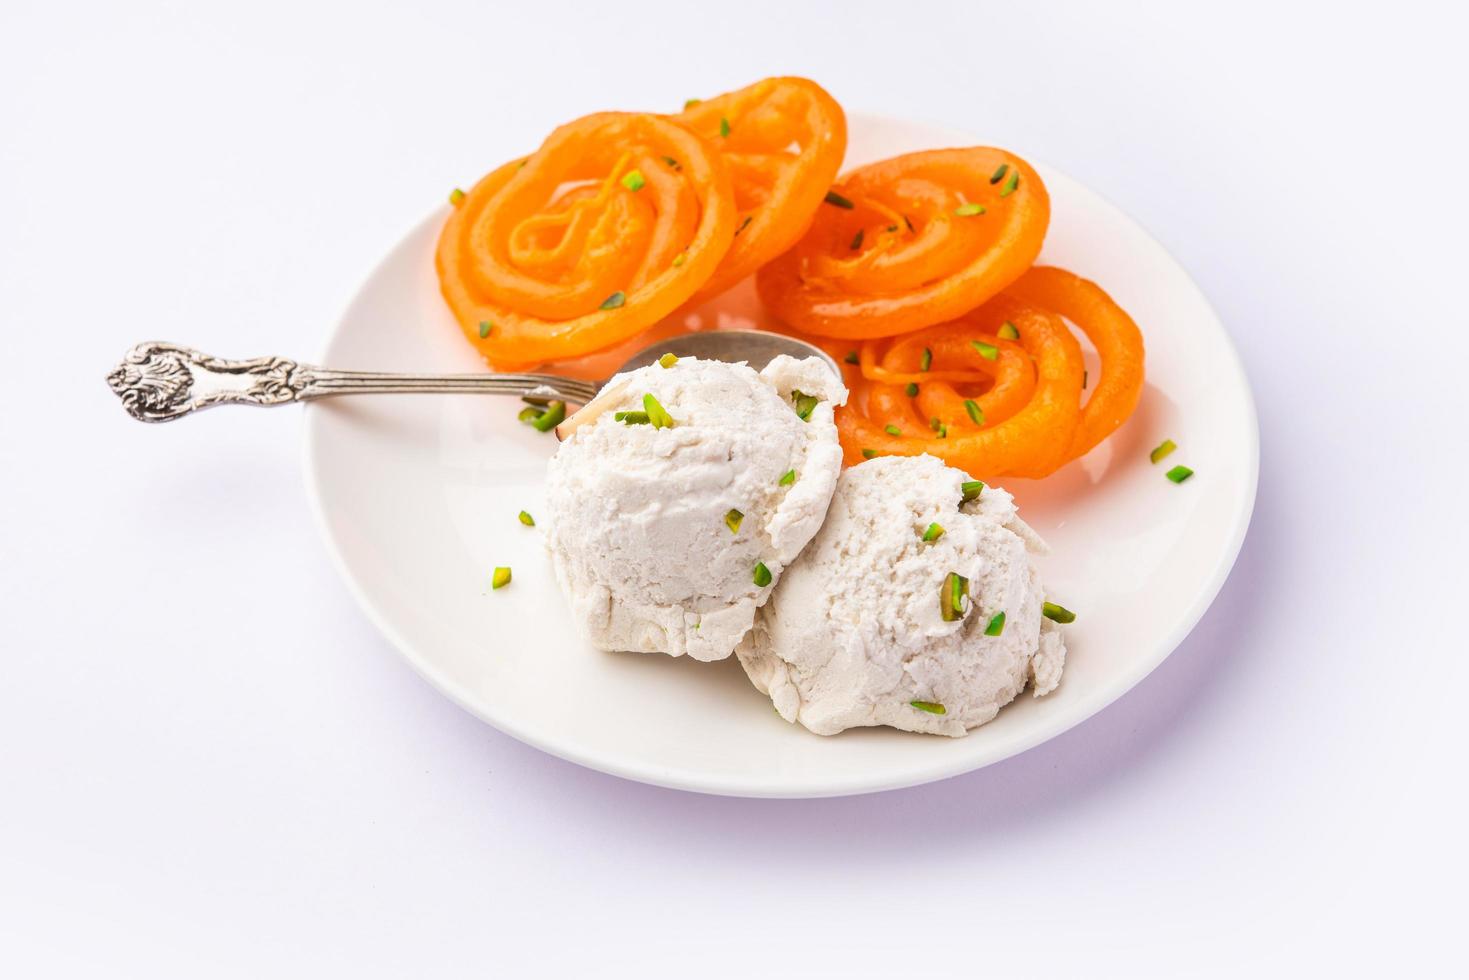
(417, 497)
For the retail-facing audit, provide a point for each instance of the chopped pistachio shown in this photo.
(1179, 473)
(1008, 331)
(500, 578)
(553, 416)
(971, 489)
(976, 414)
(832, 197)
(999, 173)
(933, 532)
(912, 390)
(996, 625)
(634, 180)
(852, 357)
(485, 326)
(969, 210)
(1057, 614)
(925, 360)
(935, 423)
(787, 478)
(529, 415)
(951, 597)
(869, 453)
(690, 103)
(987, 351)
(857, 240)
(805, 404)
(456, 197)
(723, 125)
(526, 519)
(1161, 453)
(614, 301)
(732, 521)
(1010, 184)
(762, 575)
(668, 360)
(679, 259)
(932, 707)
(632, 418)
(657, 414)
(671, 162)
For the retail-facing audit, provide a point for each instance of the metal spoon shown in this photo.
(160, 382)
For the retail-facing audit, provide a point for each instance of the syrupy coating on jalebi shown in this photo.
(783, 140)
(914, 271)
(910, 242)
(615, 222)
(1020, 412)
(1115, 391)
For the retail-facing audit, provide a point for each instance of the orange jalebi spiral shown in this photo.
(1118, 341)
(616, 221)
(1021, 412)
(783, 140)
(909, 242)
(1031, 441)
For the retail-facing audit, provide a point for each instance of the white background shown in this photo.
(211, 766)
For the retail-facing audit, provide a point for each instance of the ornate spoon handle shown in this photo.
(160, 382)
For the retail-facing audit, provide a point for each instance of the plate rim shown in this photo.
(943, 767)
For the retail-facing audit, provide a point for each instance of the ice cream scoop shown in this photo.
(681, 493)
(917, 606)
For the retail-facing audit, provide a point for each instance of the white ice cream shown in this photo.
(855, 633)
(636, 527)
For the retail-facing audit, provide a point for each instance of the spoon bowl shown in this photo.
(756, 348)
